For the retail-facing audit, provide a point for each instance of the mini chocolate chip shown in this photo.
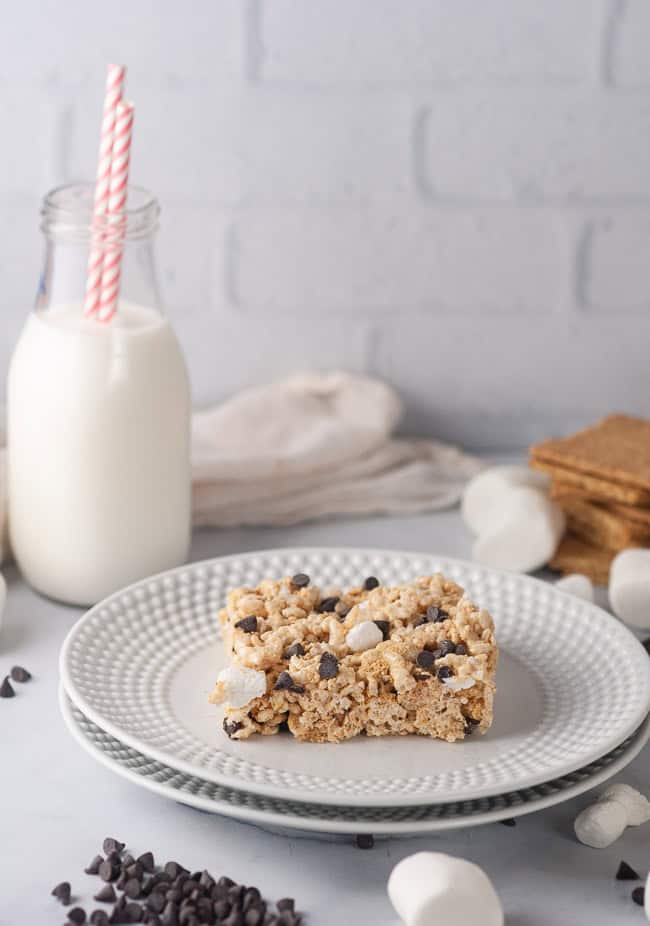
(638, 895)
(127, 860)
(112, 845)
(421, 619)
(300, 580)
(436, 615)
(93, 867)
(156, 901)
(447, 647)
(286, 903)
(384, 626)
(461, 649)
(445, 672)
(114, 857)
(147, 861)
(99, 918)
(626, 873)
(296, 650)
(328, 666)
(419, 677)
(327, 605)
(62, 892)
(133, 913)
(106, 894)
(425, 659)
(121, 881)
(370, 583)
(230, 727)
(108, 871)
(286, 683)
(365, 841)
(19, 674)
(508, 822)
(170, 916)
(225, 883)
(472, 721)
(253, 917)
(77, 915)
(136, 870)
(133, 888)
(248, 624)
(6, 691)
(151, 919)
(221, 908)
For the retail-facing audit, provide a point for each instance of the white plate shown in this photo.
(326, 818)
(573, 684)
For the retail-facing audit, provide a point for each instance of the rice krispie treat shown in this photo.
(413, 658)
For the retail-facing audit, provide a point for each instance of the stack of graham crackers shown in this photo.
(601, 479)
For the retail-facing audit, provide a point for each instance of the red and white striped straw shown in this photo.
(117, 191)
(114, 87)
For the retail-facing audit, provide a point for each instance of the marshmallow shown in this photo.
(363, 636)
(483, 496)
(239, 685)
(526, 533)
(629, 587)
(577, 585)
(603, 822)
(430, 888)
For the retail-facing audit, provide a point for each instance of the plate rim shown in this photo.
(314, 825)
(340, 798)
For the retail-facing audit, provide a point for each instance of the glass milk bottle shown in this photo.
(98, 418)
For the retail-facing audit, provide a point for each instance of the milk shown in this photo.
(98, 451)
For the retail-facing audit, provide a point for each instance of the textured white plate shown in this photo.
(573, 684)
(326, 818)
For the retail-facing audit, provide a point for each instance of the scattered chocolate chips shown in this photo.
(370, 583)
(384, 626)
(174, 870)
(297, 649)
(6, 690)
(287, 903)
(106, 894)
(99, 918)
(627, 873)
(248, 624)
(112, 845)
(447, 647)
(444, 672)
(230, 727)
(133, 888)
(461, 649)
(108, 871)
(425, 659)
(365, 841)
(147, 862)
(436, 615)
(510, 821)
(327, 605)
(93, 867)
(77, 915)
(286, 683)
(62, 892)
(19, 674)
(300, 580)
(328, 666)
(638, 895)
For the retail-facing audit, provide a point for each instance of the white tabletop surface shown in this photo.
(57, 804)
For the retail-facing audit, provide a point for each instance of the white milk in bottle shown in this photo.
(98, 420)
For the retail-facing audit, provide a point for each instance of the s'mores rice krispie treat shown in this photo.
(412, 658)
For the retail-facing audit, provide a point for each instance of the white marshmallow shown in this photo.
(526, 533)
(239, 685)
(363, 636)
(577, 585)
(603, 822)
(629, 587)
(430, 888)
(484, 494)
(459, 684)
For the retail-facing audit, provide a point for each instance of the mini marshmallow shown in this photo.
(629, 587)
(459, 684)
(577, 585)
(239, 685)
(363, 636)
(430, 888)
(483, 496)
(603, 822)
(526, 534)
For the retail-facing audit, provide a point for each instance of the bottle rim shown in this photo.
(68, 213)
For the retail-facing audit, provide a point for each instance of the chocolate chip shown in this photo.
(436, 615)
(230, 727)
(248, 624)
(108, 871)
(93, 867)
(421, 619)
(112, 845)
(445, 672)
(253, 917)
(328, 666)
(461, 649)
(127, 860)
(384, 626)
(296, 650)
(638, 895)
(174, 870)
(447, 647)
(99, 918)
(133, 913)
(286, 903)
(221, 908)
(425, 659)
(147, 861)
(106, 894)
(300, 580)
(133, 888)
(19, 674)
(627, 873)
(77, 915)
(6, 691)
(170, 916)
(343, 613)
(136, 870)
(365, 841)
(370, 583)
(508, 822)
(286, 683)
(62, 892)
(419, 677)
(327, 605)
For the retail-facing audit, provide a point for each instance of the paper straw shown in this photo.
(116, 212)
(114, 87)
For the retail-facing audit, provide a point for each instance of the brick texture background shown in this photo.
(450, 194)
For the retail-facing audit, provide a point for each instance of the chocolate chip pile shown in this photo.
(139, 891)
(17, 674)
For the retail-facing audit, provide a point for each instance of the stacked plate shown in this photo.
(571, 709)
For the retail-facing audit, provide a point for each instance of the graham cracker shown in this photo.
(616, 449)
(630, 513)
(600, 526)
(574, 555)
(593, 486)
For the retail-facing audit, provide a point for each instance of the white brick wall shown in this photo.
(452, 194)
